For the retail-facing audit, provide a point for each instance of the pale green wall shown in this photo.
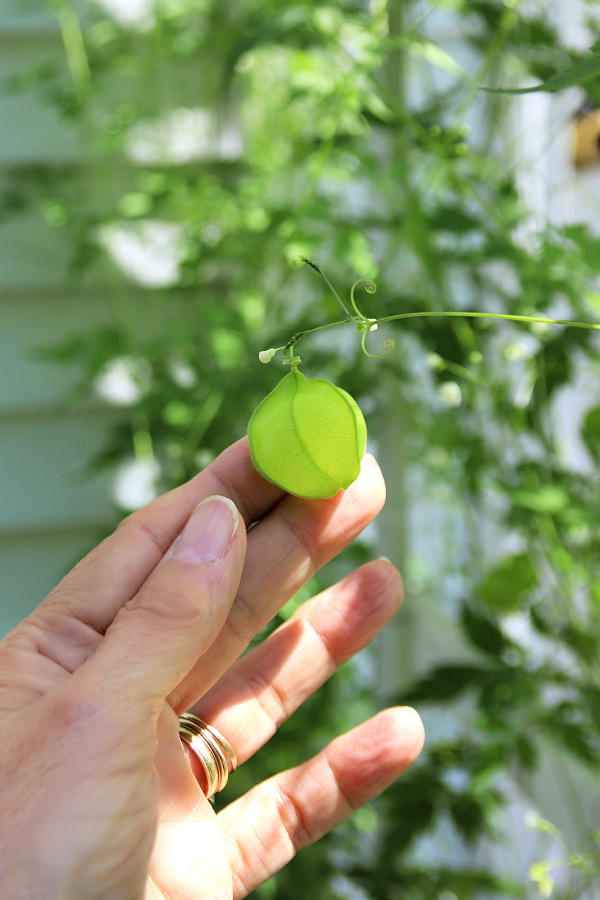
(48, 514)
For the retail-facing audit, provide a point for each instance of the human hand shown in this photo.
(98, 797)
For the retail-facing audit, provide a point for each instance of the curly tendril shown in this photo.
(388, 346)
(365, 325)
(370, 288)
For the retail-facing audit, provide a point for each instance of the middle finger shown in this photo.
(264, 688)
(284, 551)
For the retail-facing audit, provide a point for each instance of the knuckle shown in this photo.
(293, 820)
(171, 602)
(269, 699)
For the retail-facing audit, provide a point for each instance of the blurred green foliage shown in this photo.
(229, 138)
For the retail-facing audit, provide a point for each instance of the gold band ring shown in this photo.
(214, 752)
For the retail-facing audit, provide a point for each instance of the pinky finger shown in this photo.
(265, 828)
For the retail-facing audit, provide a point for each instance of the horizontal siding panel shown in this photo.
(14, 12)
(31, 254)
(31, 129)
(29, 322)
(31, 566)
(42, 483)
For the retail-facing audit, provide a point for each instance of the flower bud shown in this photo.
(266, 356)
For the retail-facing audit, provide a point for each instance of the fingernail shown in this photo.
(209, 531)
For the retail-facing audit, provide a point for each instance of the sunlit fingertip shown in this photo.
(369, 460)
(410, 732)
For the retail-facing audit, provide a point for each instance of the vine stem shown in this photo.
(300, 334)
(317, 268)
(74, 45)
(467, 314)
(365, 325)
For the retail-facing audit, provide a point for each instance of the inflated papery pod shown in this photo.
(308, 436)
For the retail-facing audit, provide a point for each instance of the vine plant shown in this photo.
(309, 436)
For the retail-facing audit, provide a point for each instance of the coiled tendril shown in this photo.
(388, 346)
(366, 325)
(370, 288)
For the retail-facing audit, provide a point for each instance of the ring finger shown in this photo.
(263, 688)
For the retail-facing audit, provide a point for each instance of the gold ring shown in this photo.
(214, 752)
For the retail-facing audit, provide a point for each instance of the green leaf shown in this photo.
(482, 632)
(506, 585)
(526, 752)
(453, 218)
(308, 436)
(590, 431)
(579, 73)
(575, 739)
(434, 54)
(468, 816)
(444, 683)
(582, 642)
(591, 694)
(549, 499)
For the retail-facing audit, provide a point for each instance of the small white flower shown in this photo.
(434, 361)
(515, 351)
(124, 380)
(266, 356)
(451, 394)
(374, 327)
(540, 327)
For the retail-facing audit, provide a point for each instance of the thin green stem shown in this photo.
(485, 315)
(318, 269)
(441, 314)
(300, 334)
(74, 45)
(445, 365)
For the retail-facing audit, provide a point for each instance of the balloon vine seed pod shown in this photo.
(308, 436)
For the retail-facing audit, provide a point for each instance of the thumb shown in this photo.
(156, 638)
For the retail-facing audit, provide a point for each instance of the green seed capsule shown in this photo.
(308, 436)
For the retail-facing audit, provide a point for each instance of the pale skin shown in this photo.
(98, 800)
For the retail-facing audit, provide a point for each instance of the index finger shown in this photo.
(114, 571)
(294, 538)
